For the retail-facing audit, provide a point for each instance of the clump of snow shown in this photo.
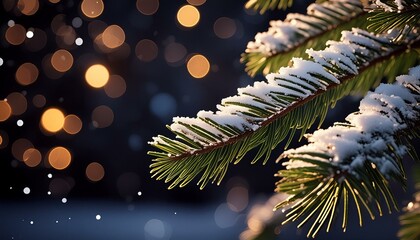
(296, 28)
(368, 134)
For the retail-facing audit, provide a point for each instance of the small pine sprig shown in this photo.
(353, 161)
(290, 38)
(263, 115)
(263, 5)
(401, 15)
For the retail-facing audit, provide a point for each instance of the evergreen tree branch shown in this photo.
(410, 220)
(290, 38)
(353, 161)
(264, 5)
(395, 14)
(263, 115)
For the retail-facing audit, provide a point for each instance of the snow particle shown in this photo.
(31, 222)
(56, 221)
(1, 61)
(49, 175)
(49, 192)
(139, 193)
(64, 200)
(98, 217)
(19, 123)
(11, 23)
(79, 41)
(29, 34)
(26, 190)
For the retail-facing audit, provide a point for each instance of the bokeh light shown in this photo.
(20, 146)
(115, 86)
(95, 172)
(224, 27)
(196, 2)
(72, 124)
(174, 52)
(198, 66)
(39, 101)
(5, 110)
(32, 157)
(237, 198)
(113, 36)
(97, 76)
(15, 34)
(188, 16)
(147, 7)
(102, 116)
(28, 7)
(92, 8)
(52, 120)
(146, 50)
(26, 74)
(62, 60)
(59, 158)
(17, 101)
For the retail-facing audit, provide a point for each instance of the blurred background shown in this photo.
(84, 85)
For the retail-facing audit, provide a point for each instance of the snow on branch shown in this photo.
(354, 160)
(281, 36)
(264, 114)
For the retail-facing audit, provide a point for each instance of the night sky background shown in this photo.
(130, 205)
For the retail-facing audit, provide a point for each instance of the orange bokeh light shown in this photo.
(188, 16)
(52, 120)
(26, 74)
(113, 36)
(92, 8)
(95, 172)
(97, 76)
(198, 66)
(32, 157)
(62, 60)
(59, 158)
(72, 124)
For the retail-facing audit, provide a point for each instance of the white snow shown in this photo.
(26, 190)
(369, 132)
(296, 28)
(98, 217)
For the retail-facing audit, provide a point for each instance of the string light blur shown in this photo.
(32, 157)
(224, 27)
(146, 50)
(113, 36)
(59, 158)
(15, 34)
(92, 8)
(72, 124)
(17, 102)
(102, 116)
(198, 66)
(62, 60)
(115, 86)
(147, 7)
(97, 76)
(52, 120)
(95, 172)
(196, 2)
(188, 16)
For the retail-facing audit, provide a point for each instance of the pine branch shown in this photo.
(263, 115)
(403, 16)
(290, 38)
(353, 161)
(264, 5)
(410, 220)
